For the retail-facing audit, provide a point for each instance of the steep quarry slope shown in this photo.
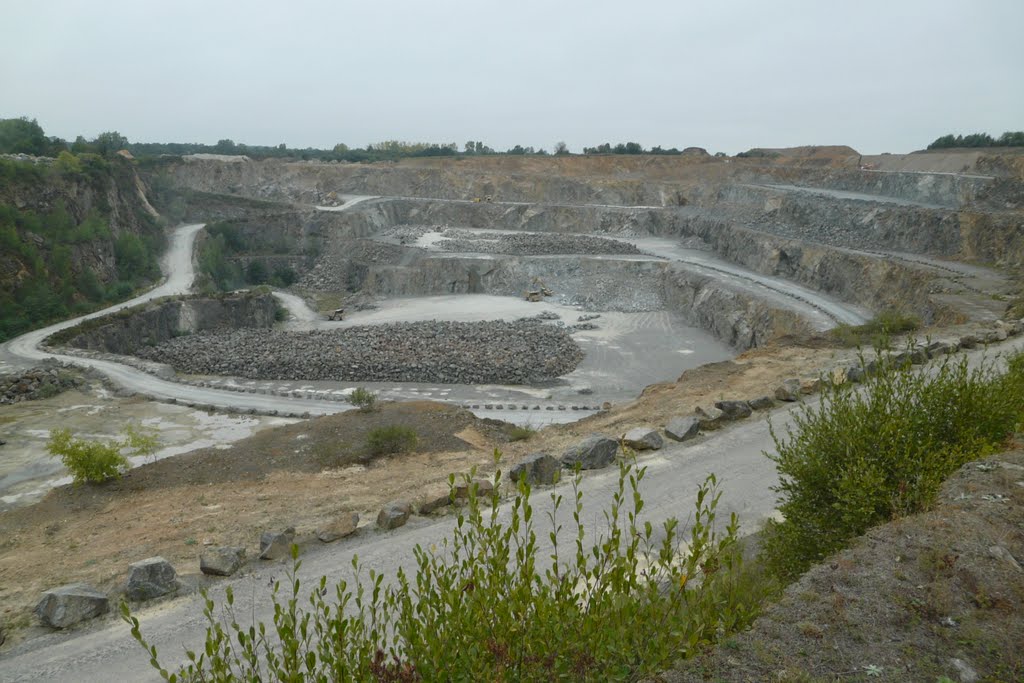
(72, 237)
(876, 239)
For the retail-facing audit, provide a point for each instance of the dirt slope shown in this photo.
(937, 594)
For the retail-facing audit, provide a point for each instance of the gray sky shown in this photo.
(877, 75)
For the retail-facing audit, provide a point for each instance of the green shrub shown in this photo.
(363, 399)
(491, 604)
(517, 433)
(865, 456)
(391, 439)
(876, 332)
(97, 462)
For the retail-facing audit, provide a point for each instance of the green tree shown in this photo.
(22, 136)
(109, 143)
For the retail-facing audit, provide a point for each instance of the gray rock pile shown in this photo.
(445, 352)
(34, 384)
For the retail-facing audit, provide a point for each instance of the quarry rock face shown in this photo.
(70, 604)
(594, 452)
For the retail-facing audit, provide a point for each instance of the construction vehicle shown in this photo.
(539, 293)
(476, 200)
(489, 198)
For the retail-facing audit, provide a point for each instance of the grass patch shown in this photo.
(391, 439)
(876, 332)
(517, 433)
(864, 457)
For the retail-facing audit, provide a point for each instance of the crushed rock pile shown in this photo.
(442, 352)
(35, 383)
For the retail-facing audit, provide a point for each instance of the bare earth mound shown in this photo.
(937, 594)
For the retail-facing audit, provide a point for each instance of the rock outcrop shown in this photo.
(70, 604)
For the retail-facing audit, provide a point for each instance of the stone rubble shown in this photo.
(446, 352)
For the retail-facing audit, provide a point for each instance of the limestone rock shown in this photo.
(682, 428)
(788, 391)
(810, 386)
(343, 526)
(484, 487)
(70, 604)
(968, 341)
(394, 514)
(734, 410)
(150, 578)
(538, 468)
(276, 544)
(710, 417)
(941, 348)
(855, 373)
(593, 453)
(643, 439)
(762, 403)
(434, 498)
(221, 561)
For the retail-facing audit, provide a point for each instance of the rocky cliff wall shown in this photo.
(126, 332)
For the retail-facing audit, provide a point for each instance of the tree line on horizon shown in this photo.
(1007, 139)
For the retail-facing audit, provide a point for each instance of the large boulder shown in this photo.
(434, 498)
(643, 439)
(484, 488)
(221, 561)
(276, 544)
(537, 468)
(150, 578)
(710, 417)
(394, 514)
(70, 604)
(682, 428)
(734, 410)
(788, 391)
(762, 403)
(593, 453)
(344, 525)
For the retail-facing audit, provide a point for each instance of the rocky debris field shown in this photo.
(35, 383)
(443, 352)
(531, 244)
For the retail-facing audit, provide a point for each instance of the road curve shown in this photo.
(179, 270)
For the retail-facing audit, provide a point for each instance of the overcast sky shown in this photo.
(886, 75)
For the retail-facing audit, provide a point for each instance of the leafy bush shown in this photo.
(517, 433)
(363, 399)
(95, 461)
(391, 439)
(865, 456)
(876, 332)
(491, 604)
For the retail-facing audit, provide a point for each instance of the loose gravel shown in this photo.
(441, 352)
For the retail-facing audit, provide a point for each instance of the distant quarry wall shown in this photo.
(128, 331)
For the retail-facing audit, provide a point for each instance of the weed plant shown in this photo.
(875, 332)
(865, 456)
(491, 604)
(97, 461)
(391, 439)
(363, 399)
